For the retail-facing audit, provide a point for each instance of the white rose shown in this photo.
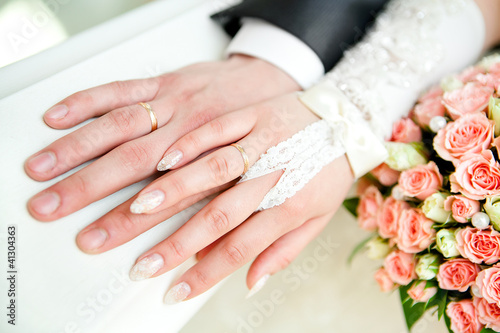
(403, 156)
(433, 208)
(427, 266)
(377, 248)
(447, 243)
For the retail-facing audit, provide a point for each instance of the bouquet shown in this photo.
(434, 205)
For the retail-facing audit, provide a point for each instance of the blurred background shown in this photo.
(31, 26)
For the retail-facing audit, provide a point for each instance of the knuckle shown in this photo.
(177, 186)
(122, 120)
(120, 88)
(79, 184)
(219, 168)
(175, 248)
(124, 222)
(218, 220)
(201, 279)
(284, 261)
(234, 254)
(192, 141)
(217, 127)
(134, 157)
(80, 98)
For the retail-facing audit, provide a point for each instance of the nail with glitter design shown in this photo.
(177, 293)
(170, 160)
(146, 267)
(258, 286)
(147, 202)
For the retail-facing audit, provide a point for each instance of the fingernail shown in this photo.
(45, 203)
(177, 293)
(43, 162)
(57, 112)
(170, 160)
(147, 201)
(146, 267)
(92, 239)
(258, 286)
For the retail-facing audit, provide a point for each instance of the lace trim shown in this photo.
(301, 157)
(400, 50)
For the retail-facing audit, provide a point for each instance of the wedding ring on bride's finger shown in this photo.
(152, 115)
(244, 156)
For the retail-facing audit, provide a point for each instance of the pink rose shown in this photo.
(400, 267)
(384, 281)
(369, 205)
(387, 219)
(385, 175)
(461, 208)
(477, 176)
(421, 181)
(479, 245)
(431, 94)
(489, 80)
(488, 313)
(363, 184)
(470, 74)
(457, 274)
(415, 231)
(469, 134)
(426, 110)
(405, 130)
(473, 97)
(463, 317)
(488, 282)
(419, 293)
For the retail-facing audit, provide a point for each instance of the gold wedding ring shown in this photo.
(152, 115)
(243, 155)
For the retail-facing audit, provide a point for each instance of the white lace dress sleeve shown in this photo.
(412, 45)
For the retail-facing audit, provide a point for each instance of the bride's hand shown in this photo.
(182, 100)
(228, 222)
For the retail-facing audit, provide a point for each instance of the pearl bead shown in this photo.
(475, 290)
(437, 123)
(397, 193)
(480, 220)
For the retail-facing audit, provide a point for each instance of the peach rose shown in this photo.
(470, 74)
(415, 231)
(419, 293)
(457, 274)
(477, 176)
(429, 109)
(463, 317)
(421, 181)
(488, 282)
(385, 175)
(479, 245)
(384, 281)
(472, 97)
(490, 80)
(488, 313)
(405, 130)
(387, 219)
(431, 94)
(461, 208)
(400, 267)
(369, 205)
(469, 134)
(363, 184)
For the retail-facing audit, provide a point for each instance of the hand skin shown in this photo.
(228, 226)
(182, 100)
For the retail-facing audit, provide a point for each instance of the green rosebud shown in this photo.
(427, 266)
(377, 248)
(433, 208)
(403, 156)
(451, 83)
(447, 242)
(494, 113)
(492, 208)
(489, 61)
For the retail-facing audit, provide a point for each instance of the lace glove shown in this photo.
(413, 44)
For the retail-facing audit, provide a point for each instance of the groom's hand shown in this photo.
(182, 100)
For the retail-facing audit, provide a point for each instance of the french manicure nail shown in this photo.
(92, 239)
(42, 163)
(146, 267)
(169, 161)
(258, 286)
(45, 203)
(147, 201)
(57, 112)
(177, 293)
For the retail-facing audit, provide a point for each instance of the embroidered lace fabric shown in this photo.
(301, 157)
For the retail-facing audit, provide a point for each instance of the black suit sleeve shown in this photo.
(328, 27)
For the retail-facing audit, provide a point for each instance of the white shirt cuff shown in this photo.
(260, 39)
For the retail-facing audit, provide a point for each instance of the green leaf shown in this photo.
(351, 205)
(487, 330)
(412, 311)
(441, 300)
(448, 323)
(358, 248)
